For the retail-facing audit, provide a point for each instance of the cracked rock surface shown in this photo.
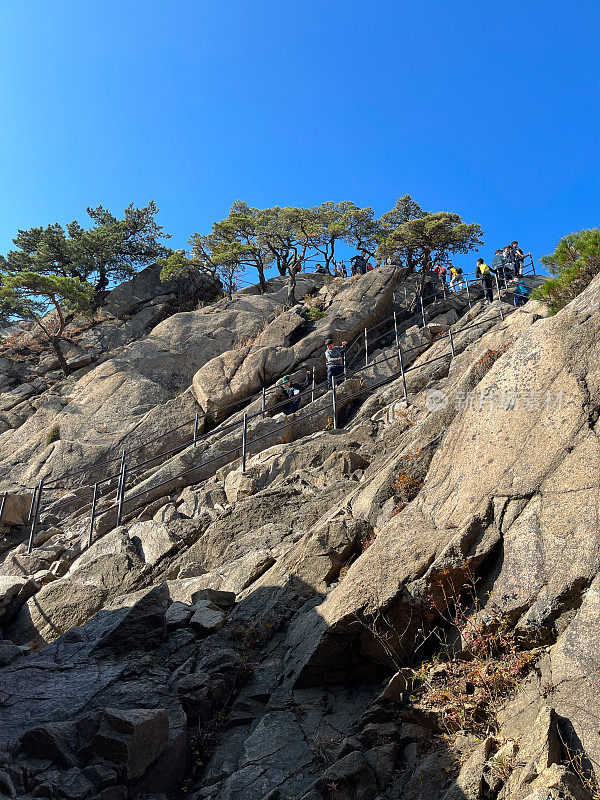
(291, 631)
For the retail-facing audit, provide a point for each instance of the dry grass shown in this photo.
(489, 358)
(408, 480)
(467, 688)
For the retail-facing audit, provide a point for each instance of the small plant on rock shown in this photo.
(53, 435)
(409, 479)
(489, 358)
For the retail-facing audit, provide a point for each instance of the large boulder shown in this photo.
(137, 394)
(14, 592)
(55, 609)
(527, 436)
(16, 509)
(238, 374)
(113, 562)
(146, 287)
(153, 540)
(132, 738)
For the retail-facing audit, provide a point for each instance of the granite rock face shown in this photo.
(302, 628)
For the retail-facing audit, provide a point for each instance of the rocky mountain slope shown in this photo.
(404, 606)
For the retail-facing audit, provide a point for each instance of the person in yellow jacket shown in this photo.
(456, 278)
(484, 272)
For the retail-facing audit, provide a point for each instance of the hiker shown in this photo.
(292, 392)
(343, 270)
(320, 270)
(359, 263)
(334, 359)
(456, 278)
(499, 265)
(518, 258)
(483, 272)
(440, 271)
(509, 262)
(521, 293)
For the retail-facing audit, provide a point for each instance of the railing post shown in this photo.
(121, 493)
(244, 442)
(196, 429)
(36, 513)
(468, 293)
(2, 504)
(366, 349)
(422, 309)
(312, 394)
(405, 296)
(401, 360)
(32, 504)
(451, 342)
(264, 401)
(334, 402)
(499, 298)
(344, 363)
(396, 331)
(122, 464)
(93, 515)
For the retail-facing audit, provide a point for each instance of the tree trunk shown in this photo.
(102, 281)
(425, 265)
(261, 279)
(292, 287)
(55, 340)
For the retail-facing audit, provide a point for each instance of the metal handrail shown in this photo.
(215, 412)
(121, 500)
(122, 475)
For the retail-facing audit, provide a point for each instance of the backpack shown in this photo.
(484, 269)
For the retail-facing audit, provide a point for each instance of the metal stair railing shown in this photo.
(95, 491)
(245, 444)
(360, 340)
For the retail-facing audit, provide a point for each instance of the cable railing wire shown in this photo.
(358, 341)
(215, 412)
(121, 488)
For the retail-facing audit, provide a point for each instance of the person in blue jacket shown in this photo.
(521, 294)
(292, 392)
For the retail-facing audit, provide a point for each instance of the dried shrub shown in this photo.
(466, 689)
(489, 358)
(409, 478)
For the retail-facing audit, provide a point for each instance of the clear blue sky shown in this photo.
(487, 109)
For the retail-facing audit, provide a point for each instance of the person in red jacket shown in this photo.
(440, 271)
